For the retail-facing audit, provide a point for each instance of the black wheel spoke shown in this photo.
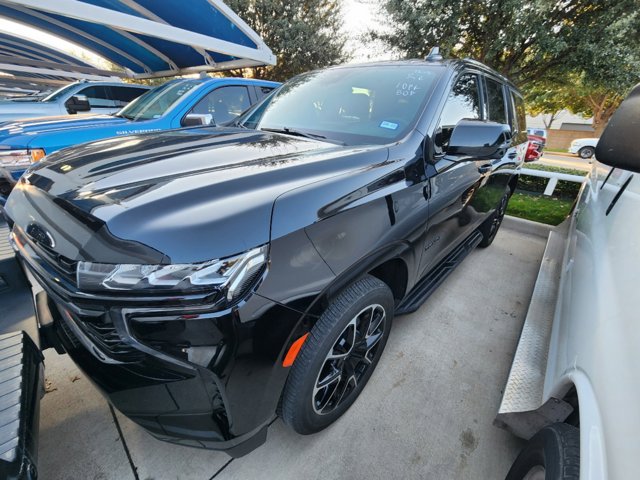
(333, 376)
(349, 358)
(323, 398)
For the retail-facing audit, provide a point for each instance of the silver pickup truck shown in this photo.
(574, 386)
(78, 97)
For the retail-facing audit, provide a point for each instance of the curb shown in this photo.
(527, 226)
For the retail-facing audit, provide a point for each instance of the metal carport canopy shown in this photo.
(145, 38)
(30, 62)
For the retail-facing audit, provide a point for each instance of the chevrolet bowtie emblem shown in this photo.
(39, 235)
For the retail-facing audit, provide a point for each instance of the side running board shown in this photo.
(522, 410)
(428, 284)
(21, 387)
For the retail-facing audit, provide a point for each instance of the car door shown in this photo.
(223, 104)
(454, 184)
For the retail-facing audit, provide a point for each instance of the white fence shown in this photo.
(553, 178)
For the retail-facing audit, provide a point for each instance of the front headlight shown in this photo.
(20, 158)
(232, 275)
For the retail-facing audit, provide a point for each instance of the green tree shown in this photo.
(578, 94)
(546, 99)
(303, 35)
(525, 41)
(582, 55)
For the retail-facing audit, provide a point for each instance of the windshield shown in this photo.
(58, 93)
(356, 105)
(158, 101)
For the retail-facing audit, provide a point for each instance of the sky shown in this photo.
(360, 16)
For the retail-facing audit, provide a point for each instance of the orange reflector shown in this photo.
(294, 350)
(37, 154)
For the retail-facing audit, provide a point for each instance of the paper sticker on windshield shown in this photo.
(389, 125)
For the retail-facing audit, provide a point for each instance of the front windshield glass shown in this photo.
(158, 101)
(352, 105)
(58, 93)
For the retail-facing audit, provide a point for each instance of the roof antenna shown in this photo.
(434, 55)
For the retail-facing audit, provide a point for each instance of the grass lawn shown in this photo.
(539, 208)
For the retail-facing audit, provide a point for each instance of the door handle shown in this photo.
(484, 168)
(512, 155)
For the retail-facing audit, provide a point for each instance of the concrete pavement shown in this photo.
(426, 413)
(565, 161)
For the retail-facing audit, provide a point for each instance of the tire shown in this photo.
(491, 225)
(334, 363)
(552, 454)
(586, 152)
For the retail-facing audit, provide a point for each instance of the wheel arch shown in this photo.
(513, 182)
(593, 458)
(389, 264)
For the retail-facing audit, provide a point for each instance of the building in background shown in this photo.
(565, 128)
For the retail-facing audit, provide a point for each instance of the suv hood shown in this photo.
(189, 195)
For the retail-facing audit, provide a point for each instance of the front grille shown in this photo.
(65, 266)
(101, 333)
(107, 339)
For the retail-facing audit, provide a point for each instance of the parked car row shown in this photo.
(175, 104)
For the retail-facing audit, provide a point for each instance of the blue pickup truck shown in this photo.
(175, 104)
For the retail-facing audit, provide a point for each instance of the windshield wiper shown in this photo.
(121, 115)
(300, 133)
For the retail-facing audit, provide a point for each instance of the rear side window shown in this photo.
(224, 103)
(123, 95)
(263, 92)
(495, 98)
(520, 124)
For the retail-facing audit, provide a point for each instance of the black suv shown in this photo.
(208, 279)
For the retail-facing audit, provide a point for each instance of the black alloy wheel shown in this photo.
(490, 227)
(339, 356)
(349, 358)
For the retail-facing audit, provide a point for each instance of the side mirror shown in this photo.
(197, 119)
(479, 139)
(77, 103)
(618, 145)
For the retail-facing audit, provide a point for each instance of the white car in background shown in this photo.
(583, 147)
(574, 386)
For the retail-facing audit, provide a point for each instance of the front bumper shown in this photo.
(8, 178)
(187, 371)
(574, 148)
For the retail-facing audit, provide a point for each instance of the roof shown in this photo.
(142, 38)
